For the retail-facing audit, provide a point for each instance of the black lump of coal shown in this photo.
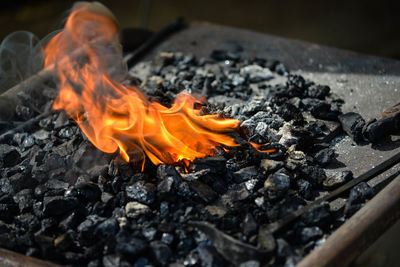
(352, 123)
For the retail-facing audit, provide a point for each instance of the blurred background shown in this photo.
(365, 26)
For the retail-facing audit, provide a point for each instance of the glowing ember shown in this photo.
(114, 116)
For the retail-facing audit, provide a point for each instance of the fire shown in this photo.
(87, 61)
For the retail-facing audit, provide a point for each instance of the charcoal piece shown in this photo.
(209, 256)
(305, 188)
(215, 164)
(206, 193)
(113, 260)
(221, 55)
(160, 252)
(352, 123)
(358, 195)
(307, 234)
(314, 175)
(27, 222)
(319, 215)
(149, 233)
(250, 226)
(134, 209)
(231, 249)
(252, 107)
(7, 211)
(234, 194)
(256, 73)
(106, 197)
(334, 179)
(325, 156)
(88, 155)
(58, 205)
(277, 185)
(378, 130)
(167, 238)
(87, 191)
(53, 161)
(164, 171)
(86, 229)
(106, 229)
(288, 111)
(165, 186)
(56, 184)
(318, 91)
(9, 156)
(245, 174)
(142, 262)
(142, 192)
(283, 248)
(24, 199)
(251, 263)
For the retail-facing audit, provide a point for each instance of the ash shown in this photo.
(64, 201)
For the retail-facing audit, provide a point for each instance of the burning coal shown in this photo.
(88, 63)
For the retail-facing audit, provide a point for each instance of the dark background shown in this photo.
(365, 26)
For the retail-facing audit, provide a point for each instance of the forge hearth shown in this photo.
(64, 201)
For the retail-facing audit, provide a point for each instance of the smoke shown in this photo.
(20, 57)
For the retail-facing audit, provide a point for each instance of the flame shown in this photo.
(86, 57)
(259, 148)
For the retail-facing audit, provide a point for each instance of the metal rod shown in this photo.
(131, 58)
(360, 231)
(382, 167)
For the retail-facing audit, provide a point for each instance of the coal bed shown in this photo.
(65, 201)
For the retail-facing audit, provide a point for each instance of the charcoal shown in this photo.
(277, 185)
(87, 229)
(283, 248)
(142, 192)
(256, 73)
(134, 209)
(63, 200)
(106, 229)
(318, 215)
(336, 179)
(318, 91)
(9, 156)
(58, 205)
(88, 192)
(221, 55)
(352, 123)
(7, 211)
(206, 193)
(160, 252)
(358, 195)
(251, 263)
(231, 249)
(377, 130)
(210, 257)
(24, 199)
(216, 164)
(305, 188)
(309, 233)
(149, 233)
(325, 156)
(56, 184)
(234, 194)
(167, 238)
(245, 174)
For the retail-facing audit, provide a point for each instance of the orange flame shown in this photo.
(259, 148)
(114, 116)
